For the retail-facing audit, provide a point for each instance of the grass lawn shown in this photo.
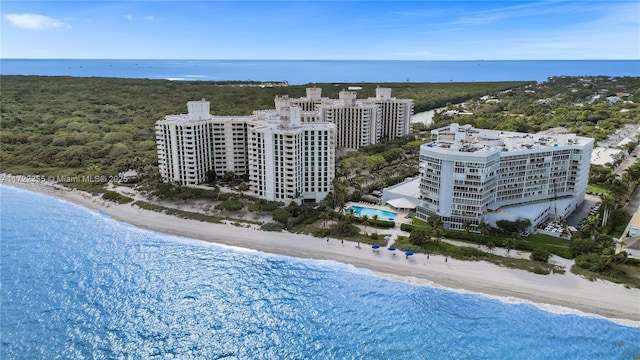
(596, 189)
(547, 240)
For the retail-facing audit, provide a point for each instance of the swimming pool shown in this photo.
(382, 214)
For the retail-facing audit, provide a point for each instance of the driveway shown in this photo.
(583, 210)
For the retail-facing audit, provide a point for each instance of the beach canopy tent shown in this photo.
(402, 203)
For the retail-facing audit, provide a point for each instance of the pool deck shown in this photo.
(401, 218)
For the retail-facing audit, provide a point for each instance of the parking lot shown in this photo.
(583, 210)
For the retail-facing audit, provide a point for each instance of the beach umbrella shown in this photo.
(408, 253)
(375, 247)
(392, 249)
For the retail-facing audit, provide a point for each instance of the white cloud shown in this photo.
(128, 17)
(525, 10)
(149, 18)
(34, 21)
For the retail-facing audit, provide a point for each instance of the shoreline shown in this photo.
(558, 293)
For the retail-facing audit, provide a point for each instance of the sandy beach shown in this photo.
(566, 293)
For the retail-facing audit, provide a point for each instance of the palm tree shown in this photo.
(375, 222)
(508, 244)
(466, 226)
(622, 257)
(622, 244)
(609, 204)
(608, 256)
(619, 188)
(323, 218)
(365, 221)
(484, 228)
(491, 246)
(590, 226)
(437, 234)
(435, 221)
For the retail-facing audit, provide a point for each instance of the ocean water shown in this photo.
(309, 71)
(77, 284)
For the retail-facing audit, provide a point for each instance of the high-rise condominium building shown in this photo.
(308, 103)
(394, 115)
(291, 160)
(285, 159)
(190, 145)
(358, 122)
(474, 175)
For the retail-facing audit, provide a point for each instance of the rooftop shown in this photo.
(409, 187)
(465, 138)
(288, 117)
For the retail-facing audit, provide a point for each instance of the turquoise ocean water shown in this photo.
(77, 284)
(308, 71)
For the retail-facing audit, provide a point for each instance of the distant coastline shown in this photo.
(297, 72)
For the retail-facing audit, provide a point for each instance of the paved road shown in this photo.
(628, 161)
(634, 202)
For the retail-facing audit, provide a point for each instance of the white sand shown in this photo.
(557, 292)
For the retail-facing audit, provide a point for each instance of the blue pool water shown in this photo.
(77, 284)
(382, 214)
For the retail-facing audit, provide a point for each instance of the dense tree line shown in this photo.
(66, 125)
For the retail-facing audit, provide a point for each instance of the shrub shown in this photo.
(344, 229)
(541, 271)
(272, 227)
(317, 232)
(281, 215)
(407, 227)
(582, 246)
(419, 236)
(117, 197)
(384, 223)
(409, 247)
(592, 262)
(230, 205)
(541, 255)
(467, 253)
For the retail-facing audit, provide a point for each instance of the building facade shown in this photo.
(472, 175)
(394, 115)
(358, 122)
(190, 145)
(286, 159)
(290, 160)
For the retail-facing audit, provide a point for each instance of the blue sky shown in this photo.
(341, 30)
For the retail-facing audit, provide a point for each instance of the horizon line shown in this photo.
(224, 59)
